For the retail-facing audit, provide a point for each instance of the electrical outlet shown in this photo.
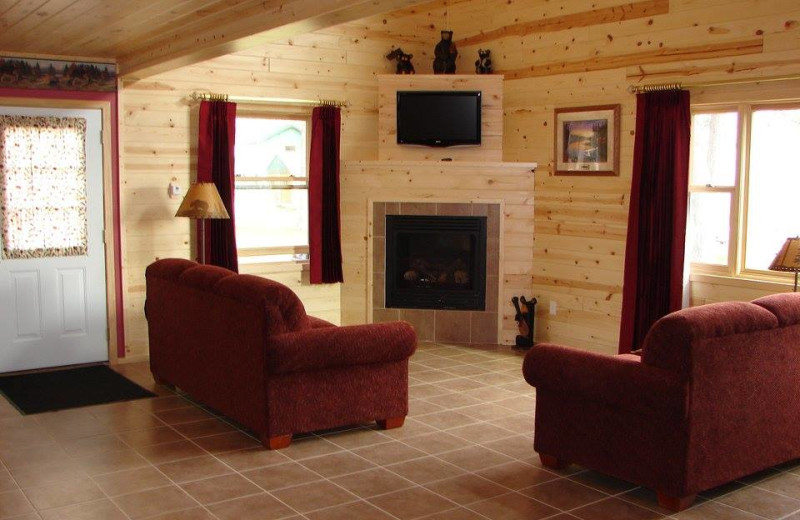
(553, 307)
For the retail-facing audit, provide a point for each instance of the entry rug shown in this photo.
(70, 388)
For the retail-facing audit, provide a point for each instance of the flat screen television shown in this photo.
(439, 118)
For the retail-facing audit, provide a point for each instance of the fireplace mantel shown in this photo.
(472, 175)
(507, 186)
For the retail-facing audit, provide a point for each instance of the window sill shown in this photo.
(284, 267)
(290, 264)
(764, 283)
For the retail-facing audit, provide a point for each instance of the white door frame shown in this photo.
(108, 200)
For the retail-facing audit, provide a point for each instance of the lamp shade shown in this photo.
(202, 201)
(788, 258)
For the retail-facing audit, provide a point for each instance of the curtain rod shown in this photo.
(210, 96)
(634, 89)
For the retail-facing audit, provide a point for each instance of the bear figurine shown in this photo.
(483, 65)
(404, 65)
(445, 55)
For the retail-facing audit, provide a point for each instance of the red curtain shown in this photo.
(217, 133)
(654, 253)
(324, 237)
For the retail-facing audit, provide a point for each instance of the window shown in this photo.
(271, 202)
(774, 183)
(712, 186)
(43, 186)
(743, 179)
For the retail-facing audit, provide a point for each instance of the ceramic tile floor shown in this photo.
(464, 453)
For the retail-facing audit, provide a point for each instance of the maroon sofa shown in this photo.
(714, 396)
(244, 346)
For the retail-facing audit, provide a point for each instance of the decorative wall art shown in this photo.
(57, 75)
(587, 140)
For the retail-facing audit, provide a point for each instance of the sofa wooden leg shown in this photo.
(392, 422)
(163, 383)
(674, 503)
(277, 442)
(548, 461)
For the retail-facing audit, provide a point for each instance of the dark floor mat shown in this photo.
(70, 388)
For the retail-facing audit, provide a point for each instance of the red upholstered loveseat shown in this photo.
(714, 396)
(244, 346)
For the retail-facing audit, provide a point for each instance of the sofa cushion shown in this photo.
(276, 298)
(169, 268)
(317, 323)
(668, 343)
(785, 306)
(204, 277)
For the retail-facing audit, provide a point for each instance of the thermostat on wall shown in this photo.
(174, 190)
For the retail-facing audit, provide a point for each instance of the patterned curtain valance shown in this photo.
(43, 186)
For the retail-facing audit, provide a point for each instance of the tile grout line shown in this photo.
(153, 466)
(19, 488)
(494, 445)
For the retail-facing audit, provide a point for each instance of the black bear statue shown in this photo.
(483, 65)
(404, 65)
(445, 55)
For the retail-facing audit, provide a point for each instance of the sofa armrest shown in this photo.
(330, 347)
(621, 381)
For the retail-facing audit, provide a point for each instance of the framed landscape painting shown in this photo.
(587, 140)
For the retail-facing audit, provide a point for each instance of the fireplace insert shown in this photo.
(435, 262)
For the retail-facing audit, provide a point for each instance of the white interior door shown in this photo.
(52, 294)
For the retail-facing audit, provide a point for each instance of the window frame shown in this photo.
(734, 190)
(283, 113)
(737, 244)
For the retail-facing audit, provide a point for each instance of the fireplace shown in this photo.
(435, 262)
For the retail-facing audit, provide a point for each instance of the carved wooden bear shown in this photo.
(483, 65)
(445, 55)
(404, 65)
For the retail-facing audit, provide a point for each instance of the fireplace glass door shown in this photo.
(435, 262)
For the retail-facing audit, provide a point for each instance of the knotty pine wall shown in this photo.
(158, 146)
(581, 222)
(555, 53)
(565, 53)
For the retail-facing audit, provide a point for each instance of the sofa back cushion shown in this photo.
(785, 306)
(283, 310)
(669, 342)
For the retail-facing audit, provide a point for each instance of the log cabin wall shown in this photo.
(577, 53)
(159, 139)
(553, 54)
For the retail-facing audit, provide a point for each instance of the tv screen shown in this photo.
(434, 118)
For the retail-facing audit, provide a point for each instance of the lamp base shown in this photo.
(203, 245)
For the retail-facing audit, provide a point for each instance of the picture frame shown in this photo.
(587, 140)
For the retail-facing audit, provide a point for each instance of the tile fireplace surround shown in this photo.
(470, 327)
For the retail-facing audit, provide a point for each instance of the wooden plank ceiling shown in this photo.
(146, 37)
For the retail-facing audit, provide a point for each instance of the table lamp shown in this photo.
(788, 258)
(202, 201)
